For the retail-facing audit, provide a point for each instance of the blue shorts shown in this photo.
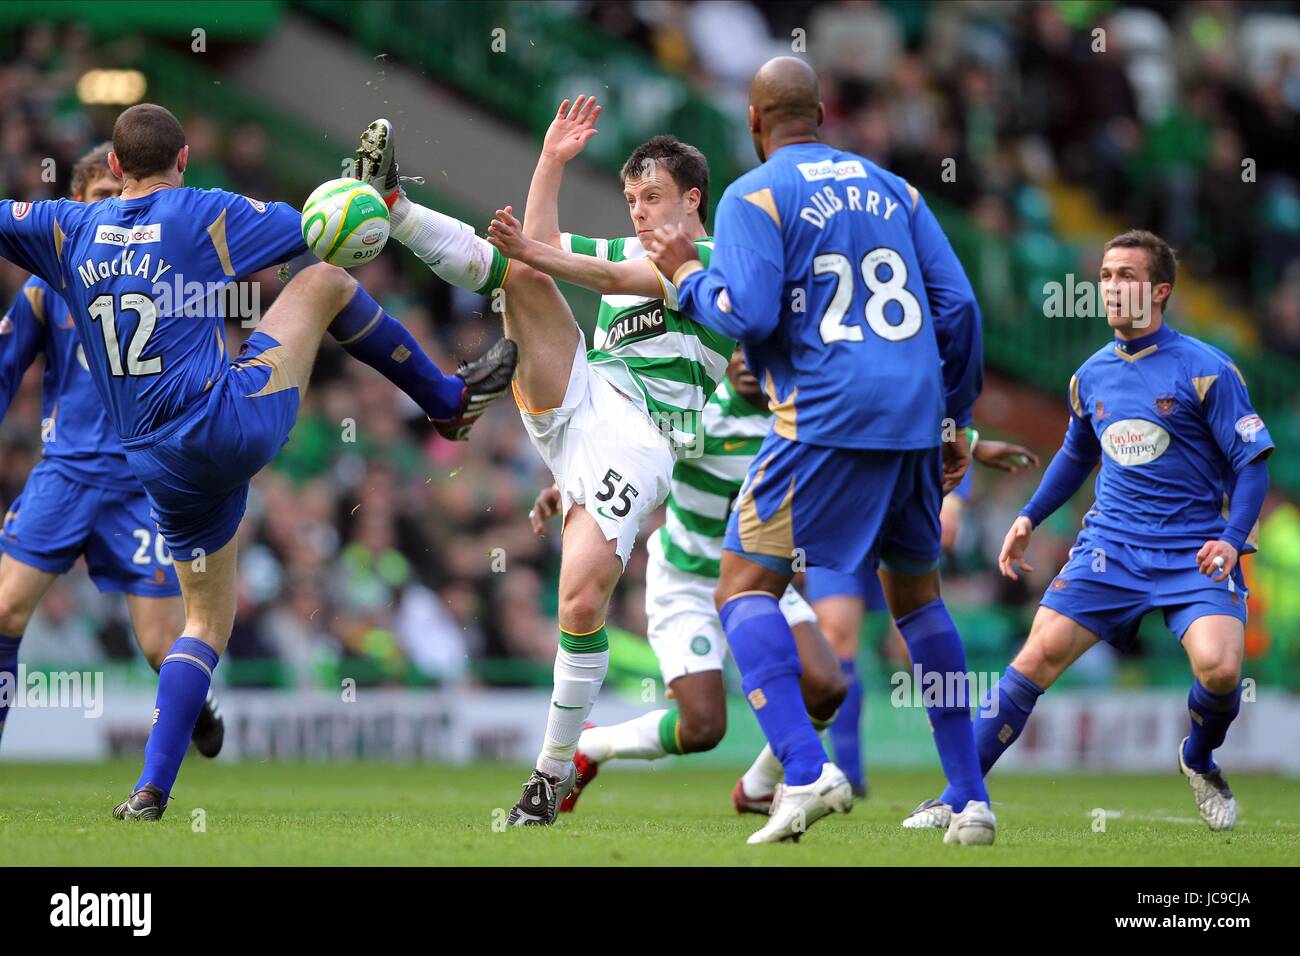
(839, 508)
(57, 519)
(196, 468)
(1108, 587)
(863, 584)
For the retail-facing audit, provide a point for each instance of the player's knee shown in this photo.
(824, 693)
(842, 638)
(582, 608)
(1221, 673)
(1041, 659)
(908, 593)
(14, 616)
(701, 732)
(334, 286)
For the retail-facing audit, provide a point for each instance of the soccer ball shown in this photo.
(345, 222)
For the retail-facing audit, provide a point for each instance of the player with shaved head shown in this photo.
(859, 321)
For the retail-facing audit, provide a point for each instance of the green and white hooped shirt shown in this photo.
(703, 488)
(667, 362)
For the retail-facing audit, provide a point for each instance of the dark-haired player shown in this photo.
(609, 421)
(682, 624)
(1182, 480)
(196, 425)
(81, 499)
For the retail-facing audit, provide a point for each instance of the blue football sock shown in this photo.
(183, 682)
(763, 645)
(370, 334)
(1211, 715)
(8, 675)
(996, 731)
(846, 732)
(935, 647)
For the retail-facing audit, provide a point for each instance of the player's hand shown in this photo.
(1004, 455)
(546, 506)
(669, 248)
(956, 459)
(1217, 556)
(507, 234)
(1013, 548)
(571, 128)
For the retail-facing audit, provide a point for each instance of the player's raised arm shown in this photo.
(22, 337)
(955, 312)
(576, 259)
(568, 133)
(32, 234)
(739, 295)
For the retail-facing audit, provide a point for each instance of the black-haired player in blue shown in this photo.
(196, 425)
(856, 314)
(1183, 477)
(81, 498)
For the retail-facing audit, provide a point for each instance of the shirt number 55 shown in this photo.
(609, 489)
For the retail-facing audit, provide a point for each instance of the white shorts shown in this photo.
(604, 452)
(684, 629)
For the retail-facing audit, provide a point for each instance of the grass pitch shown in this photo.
(676, 814)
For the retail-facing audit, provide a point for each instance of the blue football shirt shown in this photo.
(76, 433)
(850, 303)
(145, 280)
(1170, 419)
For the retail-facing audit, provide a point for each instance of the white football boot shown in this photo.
(974, 826)
(930, 815)
(1213, 795)
(376, 163)
(795, 809)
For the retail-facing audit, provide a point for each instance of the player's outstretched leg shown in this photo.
(697, 724)
(589, 569)
(535, 314)
(328, 299)
(1055, 642)
(1214, 644)
(185, 678)
(21, 589)
(157, 621)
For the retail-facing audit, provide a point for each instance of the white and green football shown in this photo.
(345, 222)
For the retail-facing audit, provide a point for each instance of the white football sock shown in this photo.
(577, 682)
(636, 739)
(764, 774)
(766, 771)
(447, 246)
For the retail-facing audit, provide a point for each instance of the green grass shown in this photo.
(674, 815)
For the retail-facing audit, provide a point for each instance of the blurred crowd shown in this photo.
(374, 548)
(1182, 116)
